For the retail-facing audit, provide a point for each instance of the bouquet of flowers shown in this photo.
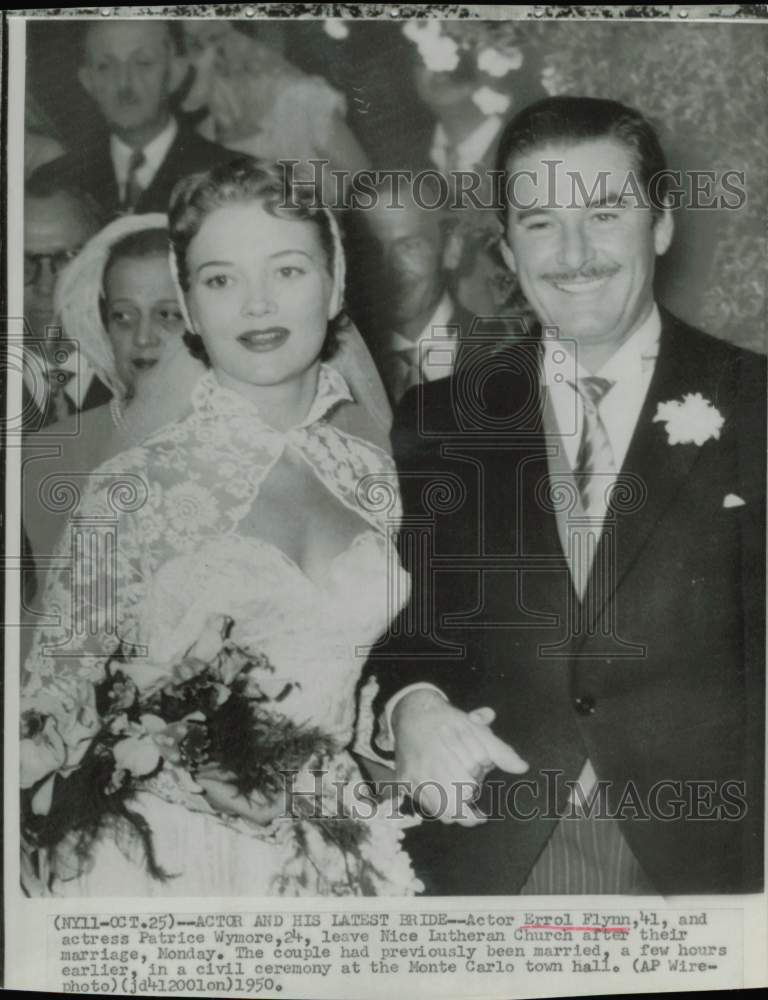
(138, 721)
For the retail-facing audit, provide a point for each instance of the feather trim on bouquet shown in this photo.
(215, 707)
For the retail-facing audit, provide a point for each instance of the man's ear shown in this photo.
(86, 80)
(663, 230)
(508, 256)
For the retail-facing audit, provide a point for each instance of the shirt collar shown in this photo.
(440, 318)
(155, 151)
(76, 389)
(471, 150)
(211, 399)
(634, 356)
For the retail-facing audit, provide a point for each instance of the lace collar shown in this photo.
(211, 398)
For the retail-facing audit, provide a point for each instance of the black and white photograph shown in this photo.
(385, 466)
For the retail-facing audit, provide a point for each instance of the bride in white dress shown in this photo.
(252, 505)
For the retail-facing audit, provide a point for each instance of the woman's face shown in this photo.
(259, 293)
(142, 313)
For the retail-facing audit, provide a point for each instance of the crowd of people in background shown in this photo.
(174, 100)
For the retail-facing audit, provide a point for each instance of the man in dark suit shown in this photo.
(588, 511)
(415, 324)
(131, 69)
(59, 218)
(463, 146)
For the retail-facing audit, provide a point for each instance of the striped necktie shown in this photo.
(133, 190)
(594, 461)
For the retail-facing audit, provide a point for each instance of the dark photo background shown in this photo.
(704, 85)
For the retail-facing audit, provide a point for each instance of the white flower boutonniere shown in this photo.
(692, 420)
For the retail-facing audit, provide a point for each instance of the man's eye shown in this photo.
(290, 271)
(217, 281)
(606, 216)
(536, 224)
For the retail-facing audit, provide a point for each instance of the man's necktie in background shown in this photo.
(133, 190)
(60, 404)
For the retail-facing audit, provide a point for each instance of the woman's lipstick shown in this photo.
(144, 364)
(264, 340)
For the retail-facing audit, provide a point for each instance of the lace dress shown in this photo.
(183, 550)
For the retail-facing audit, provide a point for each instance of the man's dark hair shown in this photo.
(49, 180)
(581, 119)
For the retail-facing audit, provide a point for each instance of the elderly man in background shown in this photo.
(59, 218)
(131, 69)
(417, 325)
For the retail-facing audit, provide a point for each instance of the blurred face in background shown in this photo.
(55, 228)
(410, 245)
(444, 90)
(206, 44)
(130, 70)
(141, 314)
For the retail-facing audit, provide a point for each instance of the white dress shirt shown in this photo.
(35, 379)
(470, 151)
(631, 368)
(435, 345)
(154, 153)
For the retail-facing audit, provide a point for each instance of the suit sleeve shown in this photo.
(419, 648)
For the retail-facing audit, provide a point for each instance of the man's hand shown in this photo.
(449, 752)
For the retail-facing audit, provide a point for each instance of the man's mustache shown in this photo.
(583, 274)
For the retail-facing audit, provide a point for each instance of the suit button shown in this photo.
(585, 704)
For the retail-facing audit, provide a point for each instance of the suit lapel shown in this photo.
(161, 185)
(96, 395)
(527, 493)
(654, 471)
(103, 178)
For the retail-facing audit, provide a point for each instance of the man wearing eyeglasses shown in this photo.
(58, 221)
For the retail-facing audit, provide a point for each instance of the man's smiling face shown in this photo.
(585, 259)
